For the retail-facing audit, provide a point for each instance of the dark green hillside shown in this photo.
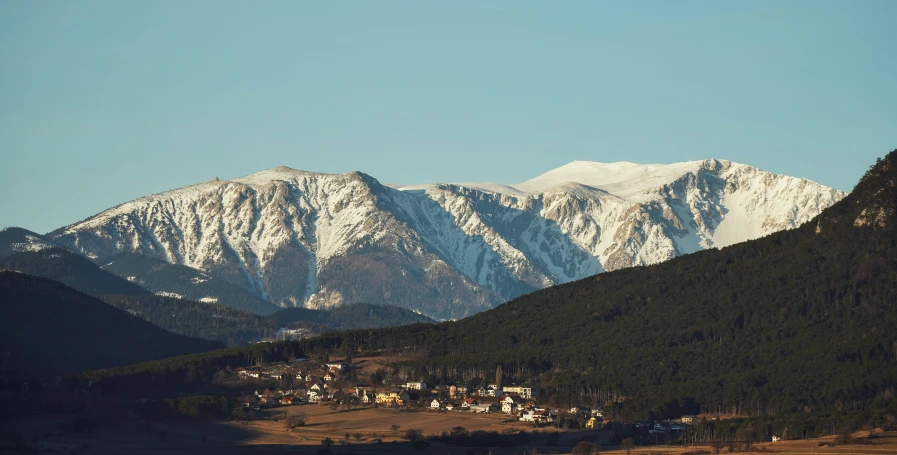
(800, 320)
(47, 328)
(72, 269)
(157, 275)
(354, 316)
(209, 321)
(237, 327)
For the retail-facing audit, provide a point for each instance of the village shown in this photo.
(344, 386)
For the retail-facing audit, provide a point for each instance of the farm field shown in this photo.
(370, 423)
(365, 426)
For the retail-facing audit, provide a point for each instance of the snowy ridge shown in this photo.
(302, 238)
(31, 243)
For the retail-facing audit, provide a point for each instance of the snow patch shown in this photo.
(173, 295)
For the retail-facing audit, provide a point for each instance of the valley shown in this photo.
(448, 227)
(556, 370)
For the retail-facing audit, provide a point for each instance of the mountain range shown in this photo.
(284, 238)
(798, 322)
(207, 320)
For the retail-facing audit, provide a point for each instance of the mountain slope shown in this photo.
(798, 320)
(71, 269)
(299, 238)
(184, 282)
(354, 316)
(234, 327)
(17, 240)
(47, 329)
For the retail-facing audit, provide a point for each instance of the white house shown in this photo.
(494, 391)
(525, 392)
(437, 404)
(509, 408)
(480, 408)
(416, 385)
(537, 416)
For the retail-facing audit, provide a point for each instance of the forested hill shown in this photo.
(73, 270)
(802, 319)
(47, 328)
(354, 316)
(212, 321)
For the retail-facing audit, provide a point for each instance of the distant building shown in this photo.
(481, 407)
(437, 404)
(509, 407)
(416, 385)
(525, 392)
(391, 397)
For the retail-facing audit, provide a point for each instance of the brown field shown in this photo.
(133, 436)
(882, 446)
(369, 364)
(370, 423)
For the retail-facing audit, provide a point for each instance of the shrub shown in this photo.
(414, 435)
(294, 421)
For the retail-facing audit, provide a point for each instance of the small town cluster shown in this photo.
(329, 384)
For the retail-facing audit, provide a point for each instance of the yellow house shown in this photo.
(390, 397)
(592, 423)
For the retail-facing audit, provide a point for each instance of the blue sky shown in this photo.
(105, 101)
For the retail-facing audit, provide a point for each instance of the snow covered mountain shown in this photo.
(300, 238)
(17, 240)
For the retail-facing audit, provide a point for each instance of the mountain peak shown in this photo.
(606, 176)
(299, 238)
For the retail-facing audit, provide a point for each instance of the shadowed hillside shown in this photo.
(47, 328)
(72, 269)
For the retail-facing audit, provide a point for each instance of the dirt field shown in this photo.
(370, 423)
(368, 365)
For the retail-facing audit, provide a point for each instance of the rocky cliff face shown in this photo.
(446, 250)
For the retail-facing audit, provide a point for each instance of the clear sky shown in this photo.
(105, 101)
